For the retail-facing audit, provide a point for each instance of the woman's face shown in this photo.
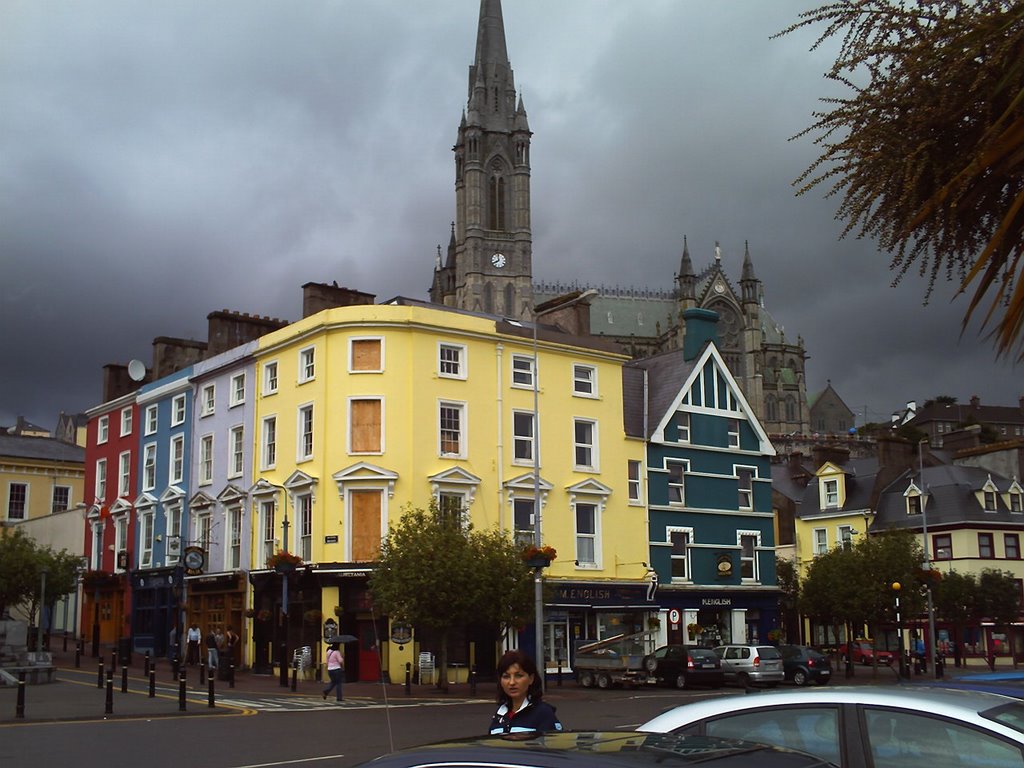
(515, 683)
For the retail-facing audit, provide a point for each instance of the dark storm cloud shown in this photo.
(159, 161)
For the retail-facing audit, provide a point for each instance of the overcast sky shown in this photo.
(162, 160)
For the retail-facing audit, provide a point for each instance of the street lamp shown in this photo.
(538, 586)
(932, 649)
(896, 586)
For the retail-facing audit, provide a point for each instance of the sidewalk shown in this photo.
(76, 695)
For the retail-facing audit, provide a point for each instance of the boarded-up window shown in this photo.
(365, 521)
(366, 355)
(365, 425)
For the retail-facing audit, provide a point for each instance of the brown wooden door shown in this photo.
(366, 522)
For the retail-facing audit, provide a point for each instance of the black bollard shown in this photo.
(202, 673)
(152, 683)
(210, 693)
(295, 675)
(175, 667)
(146, 667)
(283, 664)
(65, 641)
(110, 692)
(19, 709)
(408, 679)
(124, 679)
(99, 676)
(78, 655)
(113, 660)
(181, 692)
(559, 678)
(472, 680)
(231, 675)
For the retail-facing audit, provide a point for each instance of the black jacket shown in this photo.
(534, 716)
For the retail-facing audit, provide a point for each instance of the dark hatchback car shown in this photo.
(804, 665)
(685, 667)
(598, 750)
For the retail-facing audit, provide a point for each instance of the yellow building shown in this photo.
(363, 411)
(39, 476)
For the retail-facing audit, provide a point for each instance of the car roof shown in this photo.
(959, 704)
(625, 749)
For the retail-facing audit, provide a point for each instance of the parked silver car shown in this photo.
(751, 664)
(881, 726)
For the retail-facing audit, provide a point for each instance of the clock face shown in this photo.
(498, 260)
(719, 288)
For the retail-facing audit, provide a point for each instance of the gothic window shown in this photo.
(489, 298)
(496, 203)
(510, 300)
(771, 409)
(790, 409)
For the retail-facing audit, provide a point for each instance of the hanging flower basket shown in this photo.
(774, 635)
(250, 613)
(539, 557)
(283, 562)
(312, 616)
(263, 615)
(695, 630)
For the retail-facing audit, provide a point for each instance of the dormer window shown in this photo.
(990, 501)
(913, 505)
(831, 493)
(1015, 501)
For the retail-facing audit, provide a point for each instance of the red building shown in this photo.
(111, 480)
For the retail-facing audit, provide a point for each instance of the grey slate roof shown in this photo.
(666, 374)
(950, 500)
(40, 449)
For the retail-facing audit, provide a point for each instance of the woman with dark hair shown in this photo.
(519, 698)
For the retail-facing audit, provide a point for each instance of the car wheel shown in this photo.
(604, 680)
(800, 677)
(586, 679)
(651, 664)
(680, 680)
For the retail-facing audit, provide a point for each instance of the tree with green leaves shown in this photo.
(956, 600)
(926, 152)
(999, 595)
(441, 576)
(22, 562)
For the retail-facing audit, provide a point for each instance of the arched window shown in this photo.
(489, 298)
(790, 409)
(771, 408)
(496, 197)
(510, 300)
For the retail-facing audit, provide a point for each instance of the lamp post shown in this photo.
(283, 660)
(932, 649)
(42, 608)
(896, 586)
(538, 583)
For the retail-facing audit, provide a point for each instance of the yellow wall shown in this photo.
(412, 388)
(40, 476)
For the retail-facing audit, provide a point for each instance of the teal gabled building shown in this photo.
(708, 491)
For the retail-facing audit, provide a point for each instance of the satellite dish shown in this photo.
(137, 370)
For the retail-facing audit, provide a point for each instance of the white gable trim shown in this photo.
(681, 400)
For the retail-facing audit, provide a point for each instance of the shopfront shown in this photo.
(217, 601)
(577, 613)
(709, 619)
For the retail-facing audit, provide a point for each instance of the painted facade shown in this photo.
(161, 510)
(111, 461)
(364, 410)
(708, 477)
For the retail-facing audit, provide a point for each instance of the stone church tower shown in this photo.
(488, 266)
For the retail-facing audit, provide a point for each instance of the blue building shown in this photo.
(165, 411)
(709, 493)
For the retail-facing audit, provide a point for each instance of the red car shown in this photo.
(862, 652)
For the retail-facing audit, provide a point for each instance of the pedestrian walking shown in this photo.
(335, 671)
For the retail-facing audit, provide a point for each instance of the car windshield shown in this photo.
(1010, 715)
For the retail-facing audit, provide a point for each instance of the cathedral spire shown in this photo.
(492, 89)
